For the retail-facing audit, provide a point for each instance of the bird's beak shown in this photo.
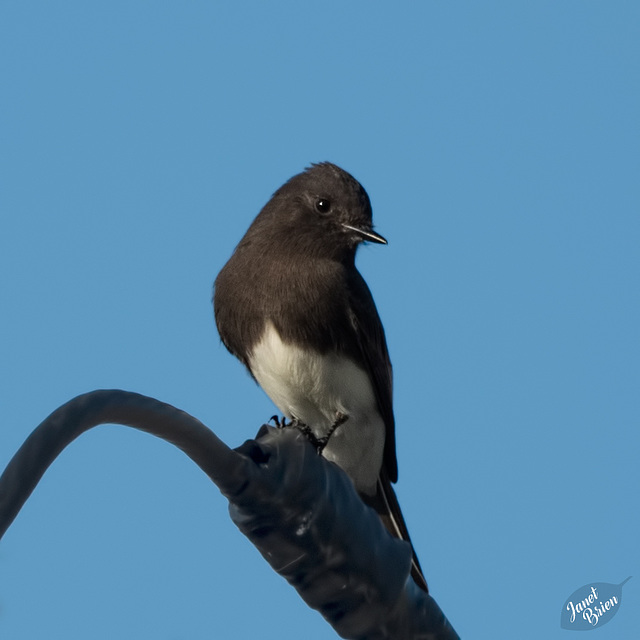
(366, 234)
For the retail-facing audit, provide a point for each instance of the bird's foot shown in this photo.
(305, 429)
(319, 443)
(280, 423)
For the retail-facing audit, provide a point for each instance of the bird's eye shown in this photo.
(323, 205)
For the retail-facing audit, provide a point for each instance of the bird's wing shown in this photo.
(374, 355)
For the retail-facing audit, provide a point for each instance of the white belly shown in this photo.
(316, 389)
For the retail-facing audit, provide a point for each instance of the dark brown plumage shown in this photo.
(291, 305)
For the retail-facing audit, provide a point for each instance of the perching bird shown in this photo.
(292, 307)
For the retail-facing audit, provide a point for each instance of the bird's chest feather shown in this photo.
(316, 388)
(308, 304)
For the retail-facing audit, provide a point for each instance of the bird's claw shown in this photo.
(319, 443)
(279, 422)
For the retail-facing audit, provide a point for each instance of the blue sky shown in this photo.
(500, 145)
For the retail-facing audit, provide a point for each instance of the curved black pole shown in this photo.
(223, 465)
(299, 510)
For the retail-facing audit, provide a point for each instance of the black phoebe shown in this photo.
(292, 307)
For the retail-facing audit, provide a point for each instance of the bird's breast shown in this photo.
(316, 388)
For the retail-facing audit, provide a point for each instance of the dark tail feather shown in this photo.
(386, 505)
